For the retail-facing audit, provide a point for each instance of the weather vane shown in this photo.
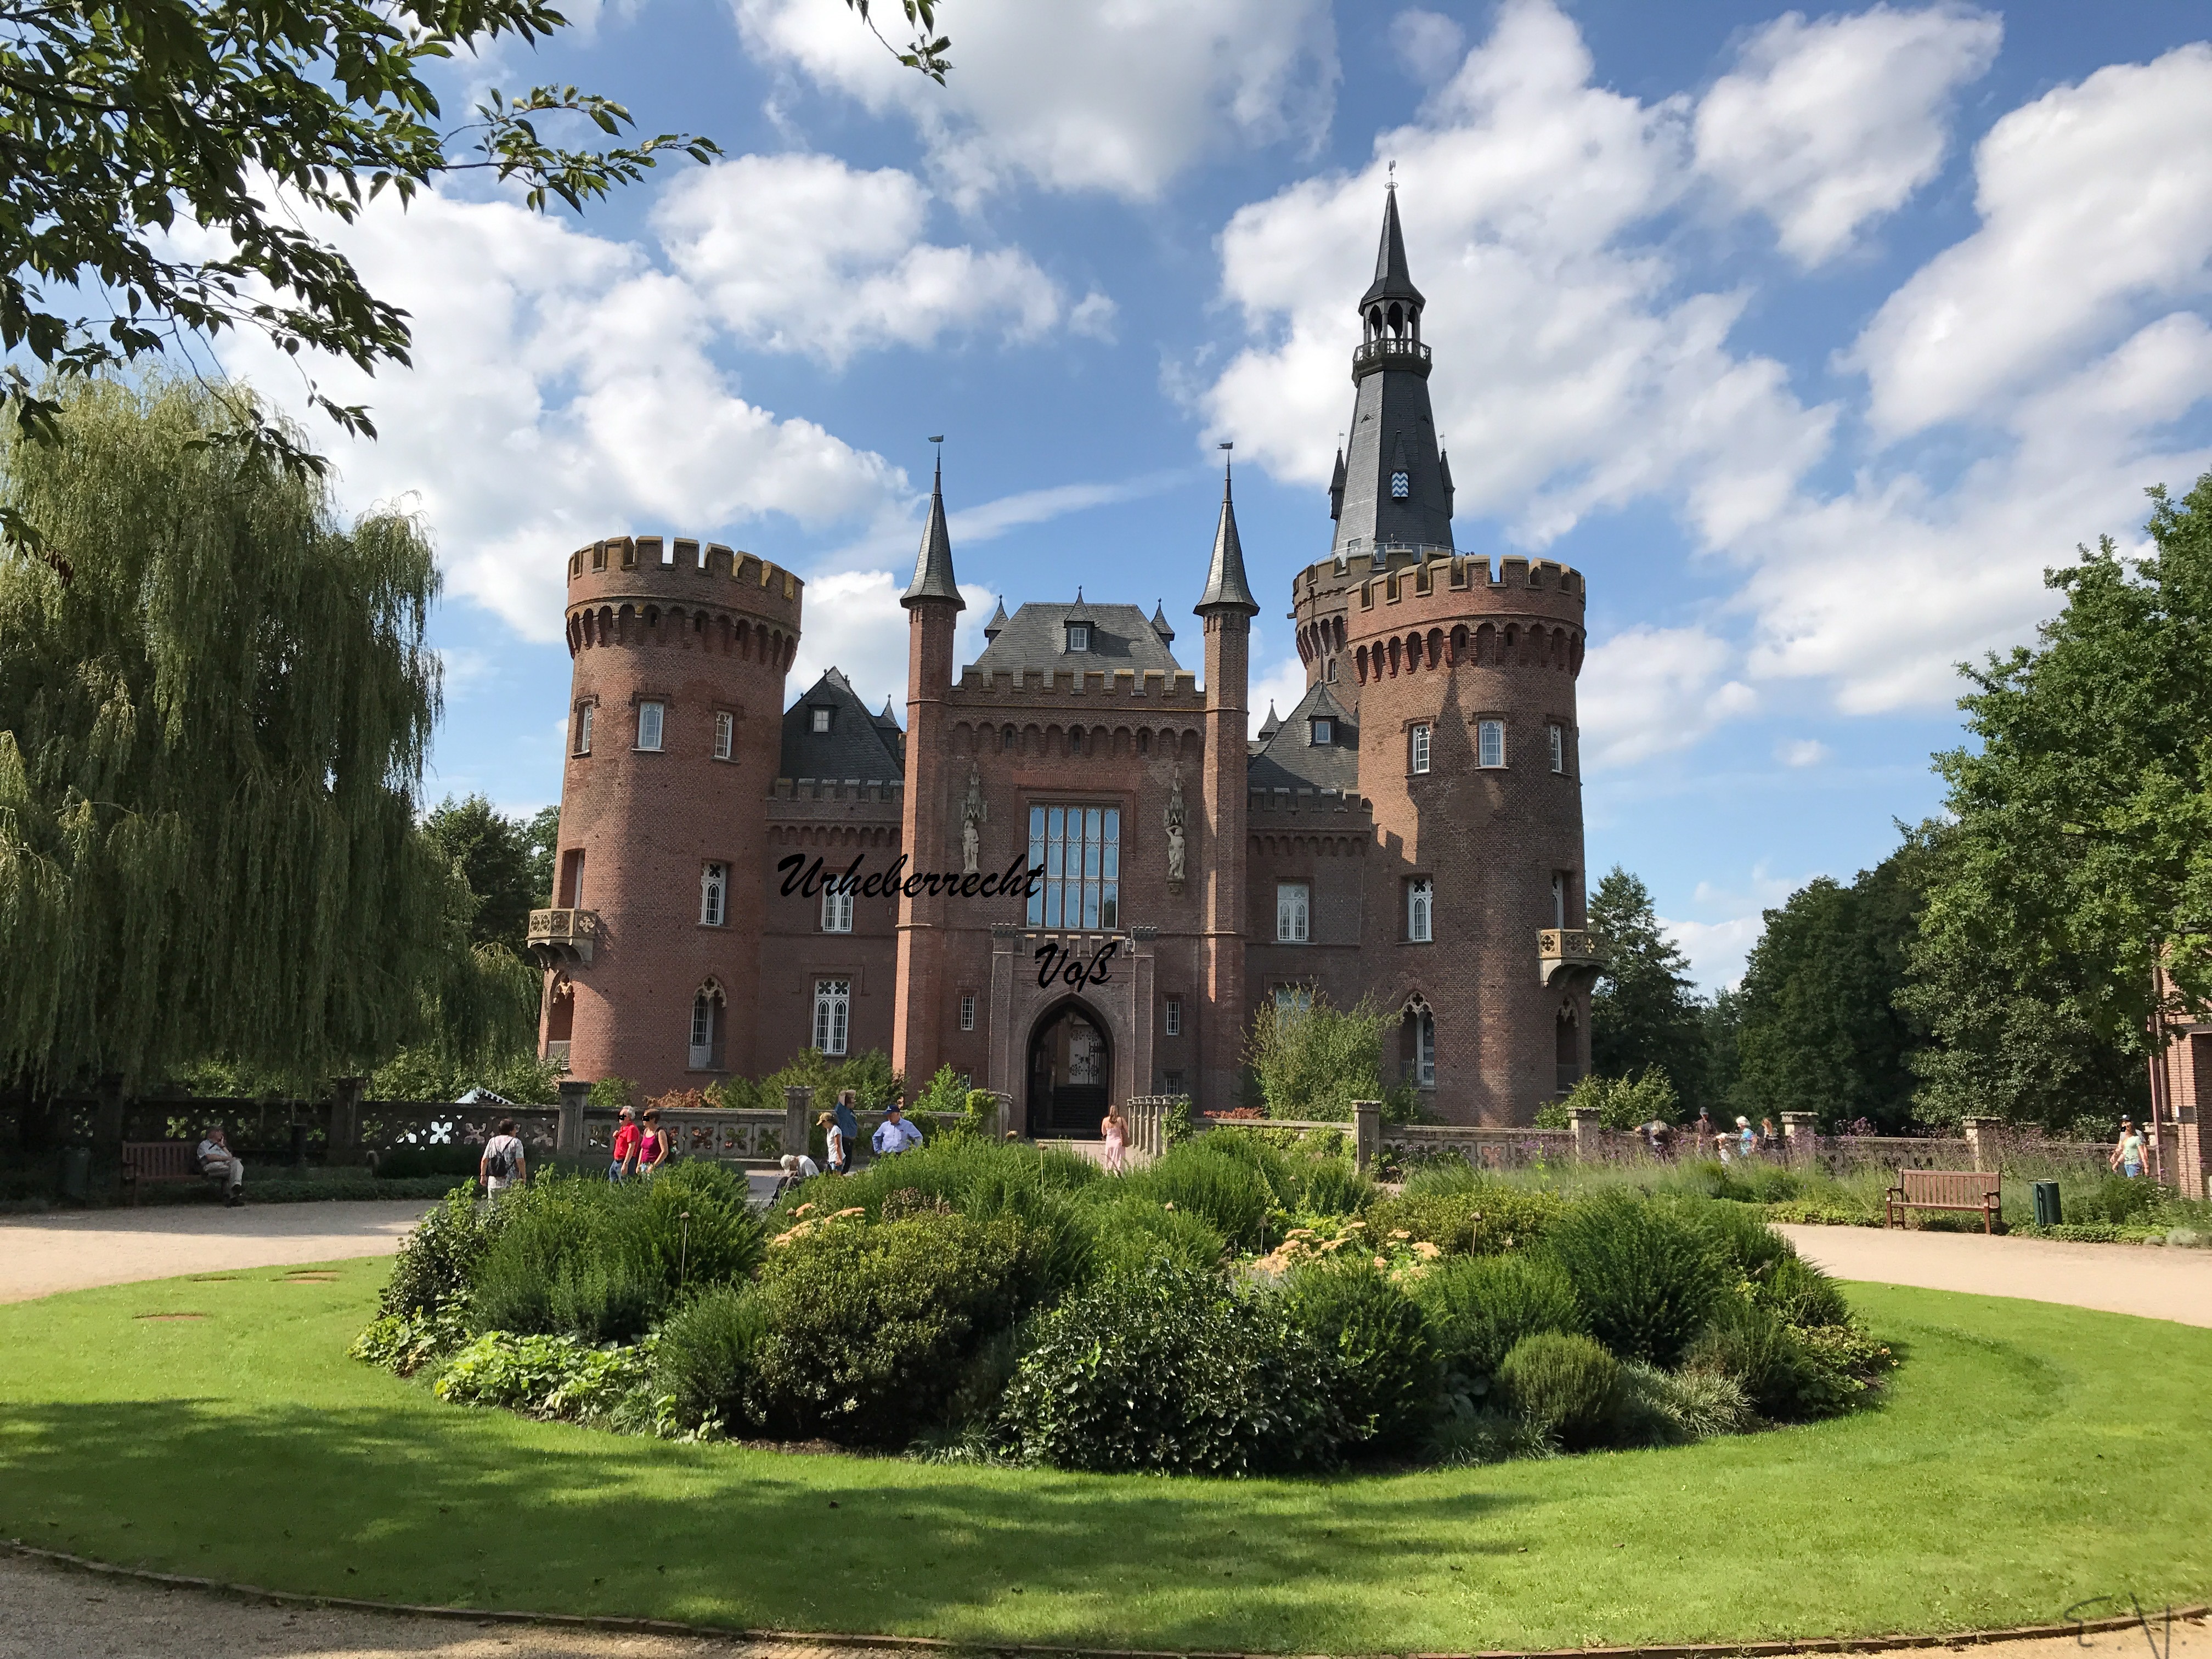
(1393, 184)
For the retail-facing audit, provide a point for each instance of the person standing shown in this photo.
(504, 1164)
(623, 1153)
(2128, 1149)
(849, 1121)
(1748, 1141)
(218, 1163)
(652, 1145)
(833, 1141)
(895, 1134)
(1115, 1129)
(1768, 1141)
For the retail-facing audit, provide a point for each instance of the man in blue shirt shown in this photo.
(895, 1134)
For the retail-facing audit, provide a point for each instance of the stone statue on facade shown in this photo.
(973, 811)
(1175, 854)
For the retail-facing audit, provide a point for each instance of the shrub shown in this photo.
(1739, 1232)
(1170, 1370)
(1622, 1103)
(1314, 1059)
(1663, 1408)
(1749, 1343)
(1465, 1437)
(439, 1261)
(1646, 1279)
(1226, 1187)
(1389, 1382)
(404, 1343)
(1469, 1217)
(545, 1376)
(705, 1357)
(1564, 1384)
(1333, 1186)
(1479, 1308)
(969, 1173)
(612, 1093)
(868, 1324)
(1801, 1294)
(1132, 1232)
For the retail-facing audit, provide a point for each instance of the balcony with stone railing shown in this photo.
(1568, 958)
(563, 936)
(1390, 351)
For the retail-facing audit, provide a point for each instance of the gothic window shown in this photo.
(1420, 907)
(1490, 742)
(649, 725)
(725, 733)
(836, 912)
(1558, 898)
(1293, 912)
(1081, 848)
(1417, 749)
(833, 1014)
(706, 1048)
(713, 885)
(1420, 1026)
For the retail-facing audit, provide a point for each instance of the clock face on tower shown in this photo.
(1401, 486)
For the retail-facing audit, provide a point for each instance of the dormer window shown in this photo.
(1324, 731)
(1078, 636)
(1401, 486)
(821, 720)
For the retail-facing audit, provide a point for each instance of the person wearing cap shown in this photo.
(833, 1141)
(625, 1147)
(2128, 1149)
(895, 1134)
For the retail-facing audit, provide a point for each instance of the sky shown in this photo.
(1812, 338)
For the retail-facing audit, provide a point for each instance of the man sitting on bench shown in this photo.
(219, 1164)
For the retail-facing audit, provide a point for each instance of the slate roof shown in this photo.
(1288, 758)
(1225, 577)
(932, 563)
(1035, 640)
(854, 746)
(1393, 281)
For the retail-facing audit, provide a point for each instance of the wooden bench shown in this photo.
(171, 1161)
(1970, 1190)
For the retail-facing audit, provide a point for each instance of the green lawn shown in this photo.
(2031, 1456)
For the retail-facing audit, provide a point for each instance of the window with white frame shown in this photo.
(1293, 912)
(584, 727)
(1078, 636)
(714, 887)
(821, 720)
(648, 724)
(1292, 1000)
(726, 731)
(1081, 848)
(1423, 1023)
(1490, 742)
(1171, 1019)
(1324, 732)
(833, 1014)
(836, 911)
(1416, 747)
(1559, 735)
(967, 1011)
(705, 1032)
(1420, 911)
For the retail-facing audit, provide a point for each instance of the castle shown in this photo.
(1072, 876)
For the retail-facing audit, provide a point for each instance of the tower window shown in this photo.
(836, 912)
(725, 733)
(1559, 735)
(1324, 732)
(967, 1011)
(1401, 486)
(713, 885)
(833, 1014)
(706, 1034)
(1420, 911)
(1293, 912)
(649, 725)
(1490, 742)
(1423, 1023)
(572, 879)
(584, 728)
(1417, 749)
(1078, 636)
(821, 717)
(1558, 898)
(1332, 671)
(1081, 848)
(1171, 1022)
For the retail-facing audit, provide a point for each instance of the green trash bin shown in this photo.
(2046, 1202)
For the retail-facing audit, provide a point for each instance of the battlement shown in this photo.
(686, 571)
(1265, 807)
(892, 790)
(1362, 570)
(1153, 687)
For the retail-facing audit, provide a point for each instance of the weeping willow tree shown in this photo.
(215, 702)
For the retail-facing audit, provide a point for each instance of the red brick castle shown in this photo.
(1071, 875)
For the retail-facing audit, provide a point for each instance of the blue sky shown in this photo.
(1811, 337)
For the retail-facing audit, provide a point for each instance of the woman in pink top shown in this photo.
(1116, 1128)
(653, 1146)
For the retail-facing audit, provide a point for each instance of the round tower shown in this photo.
(652, 945)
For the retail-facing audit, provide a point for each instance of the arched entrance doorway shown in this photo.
(1071, 1062)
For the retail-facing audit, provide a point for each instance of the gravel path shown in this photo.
(41, 1254)
(2130, 1278)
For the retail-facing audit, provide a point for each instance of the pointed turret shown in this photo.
(1270, 725)
(887, 721)
(933, 565)
(1225, 586)
(1391, 490)
(998, 622)
(1393, 281)
(1160, 623)
(1336, 486)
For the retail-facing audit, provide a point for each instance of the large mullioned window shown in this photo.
(1081, 848)
(833, 1014)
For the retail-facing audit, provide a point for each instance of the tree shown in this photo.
(1313, 1059)
(210, 740)
(121, 118)
(541, 837)
(2069, 906)
(1643, 1014)
(494, 857)
(1819, 1030)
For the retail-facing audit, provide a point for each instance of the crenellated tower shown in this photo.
(679, 650)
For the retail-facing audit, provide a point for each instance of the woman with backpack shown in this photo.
(504, 1164)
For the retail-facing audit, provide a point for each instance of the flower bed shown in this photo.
(1234, 1308)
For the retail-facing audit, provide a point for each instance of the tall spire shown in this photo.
(1393, 281)
(1226, 586)
(933, 565)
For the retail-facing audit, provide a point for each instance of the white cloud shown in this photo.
(804, 253)
(1428, 43)
(1117, 98)
(855, 624)
(2095, 202)
(1650, 691)
(1716, 950)
(1825, 126)
(1279, 687)
(1569, 379)
(1801, 751)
